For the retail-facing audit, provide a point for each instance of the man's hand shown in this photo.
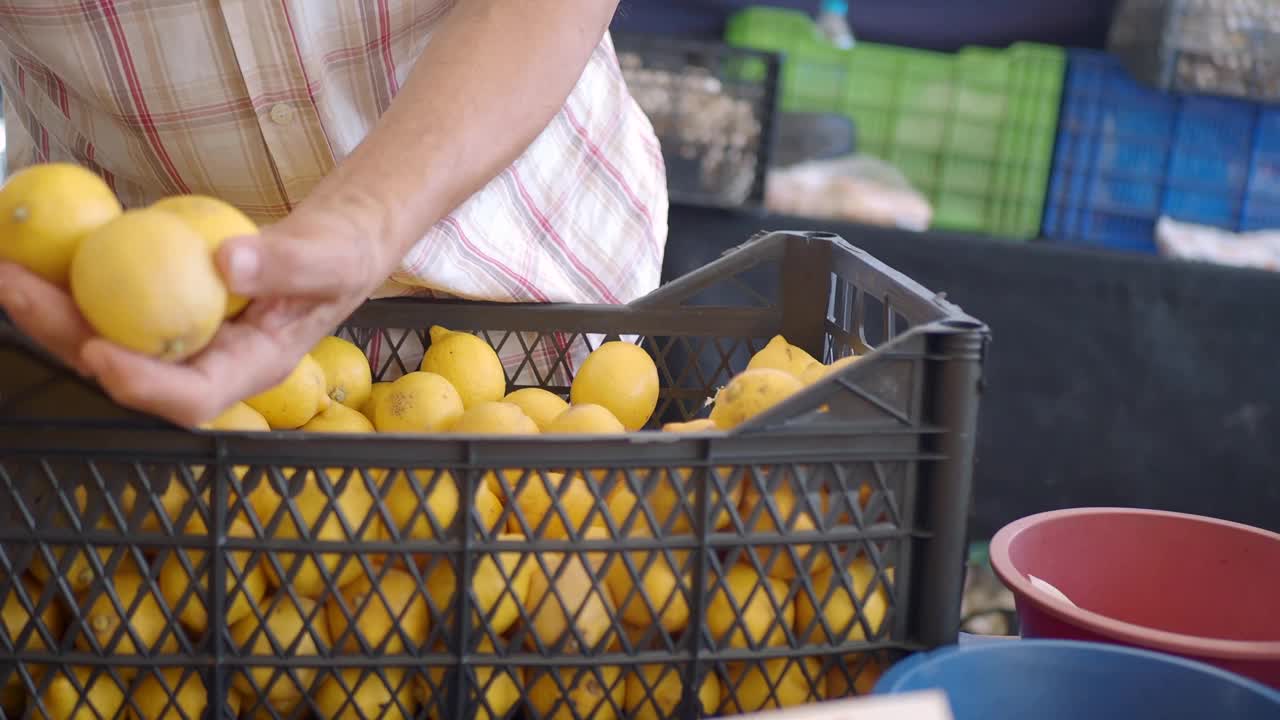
(304, 274)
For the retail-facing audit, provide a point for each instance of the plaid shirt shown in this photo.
(254, 101)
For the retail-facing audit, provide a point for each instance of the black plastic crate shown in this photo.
(1215, 47)
(873, 463)
(713, 109)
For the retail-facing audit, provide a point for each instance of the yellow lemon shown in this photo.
(654, 692)
(384, 612)
(297, 627)
(338, 418)
(542, 406)
(631, 521)
(621, 377)
(772, 684)
(238, 417)
(101, 697)
(468, 363)
(79, 573)
(168, 694)
(781, 355)
(46, 210)
(262, 709)
(817, 372)
(498, 688)
(592, 692)
(663, 488)
(488, 509)
(868, 674)
(15, 619)
(496, 418)
(664, 499)
(245, 587)
(376, 392)
(585, 420)
(215, 221)
(418, 402)
(146, 282)
(365, 695)
(234, 703)
(750, 393)
(321, 521)
(144, 618)
(566, 608)
(499, 586)
(838, 607)
(691, 426)
(659, 597)
(756, 596)
(597, 559)
(172, 502)
(552, 497)
(420, 504)
(348, 377)
(297, 399)
(795, 516)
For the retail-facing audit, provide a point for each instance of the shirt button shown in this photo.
(282, 114)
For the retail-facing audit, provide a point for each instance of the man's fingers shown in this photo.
(272, 315)
(44, 312)
(239, 363)
(284, 263)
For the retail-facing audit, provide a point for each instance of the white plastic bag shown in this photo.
(859, 188)
(1188, 241)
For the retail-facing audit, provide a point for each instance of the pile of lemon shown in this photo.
(330, 603)
(551, 601)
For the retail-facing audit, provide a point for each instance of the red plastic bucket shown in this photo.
(1188, 585)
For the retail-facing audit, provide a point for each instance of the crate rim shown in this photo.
(952, 321)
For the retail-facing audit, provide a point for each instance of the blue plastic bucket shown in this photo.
(1068, 680)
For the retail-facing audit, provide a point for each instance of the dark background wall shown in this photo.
(933, 24)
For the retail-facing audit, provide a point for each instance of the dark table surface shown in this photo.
(1111, 380)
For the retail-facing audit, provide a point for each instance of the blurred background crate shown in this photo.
(712, 108)
(1128, 154)
(1219, 47)
(973, 130)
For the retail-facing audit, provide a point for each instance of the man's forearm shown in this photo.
(493, 76)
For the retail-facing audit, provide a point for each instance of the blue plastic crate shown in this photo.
(1127, 154)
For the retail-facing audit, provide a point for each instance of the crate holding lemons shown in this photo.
(146, 280)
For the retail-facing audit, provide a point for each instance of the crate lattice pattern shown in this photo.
(563, 588)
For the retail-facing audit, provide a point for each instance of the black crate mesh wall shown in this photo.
(379, 577)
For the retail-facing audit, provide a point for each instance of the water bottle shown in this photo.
(833, 23)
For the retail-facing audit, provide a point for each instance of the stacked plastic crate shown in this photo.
(1128, 154)
(1174, 122)
(972, 130)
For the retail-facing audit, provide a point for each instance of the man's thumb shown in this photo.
(275, 263)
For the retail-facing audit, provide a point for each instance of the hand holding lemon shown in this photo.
(183, 307)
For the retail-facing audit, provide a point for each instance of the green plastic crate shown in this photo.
(973, 130)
